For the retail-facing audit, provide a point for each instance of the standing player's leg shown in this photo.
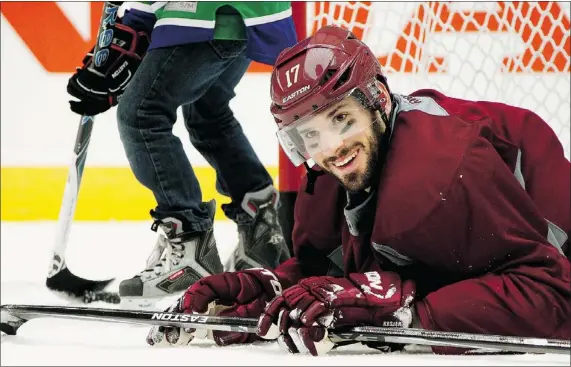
(219, 137)
(168, 78)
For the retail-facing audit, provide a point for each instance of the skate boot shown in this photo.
(260, 239)
(178, 260)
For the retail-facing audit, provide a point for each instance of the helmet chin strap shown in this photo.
(383, 143)
(387, 118)
(385, 137)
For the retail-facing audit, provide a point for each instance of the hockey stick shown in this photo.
(60, 278)
(14, 316)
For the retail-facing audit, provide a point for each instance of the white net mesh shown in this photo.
(512, 52)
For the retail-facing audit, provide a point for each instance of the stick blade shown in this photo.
(10, 323)
(66, 281)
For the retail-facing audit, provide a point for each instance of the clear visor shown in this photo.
(328, 129)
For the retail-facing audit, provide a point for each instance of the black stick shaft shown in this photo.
(71, 192)
(13, 316)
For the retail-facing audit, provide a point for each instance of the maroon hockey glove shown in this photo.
(100, 89)
(244, 293)
(305, 311)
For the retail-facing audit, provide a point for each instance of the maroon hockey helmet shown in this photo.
(316, 72)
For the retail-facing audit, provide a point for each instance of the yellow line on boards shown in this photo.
(106, 193)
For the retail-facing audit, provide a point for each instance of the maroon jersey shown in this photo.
(472, 202)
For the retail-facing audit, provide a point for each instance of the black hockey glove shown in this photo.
(100, 89)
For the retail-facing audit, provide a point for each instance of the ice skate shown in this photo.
(260, 242)
(178, 260)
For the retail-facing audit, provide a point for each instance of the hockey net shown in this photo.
(512, 52)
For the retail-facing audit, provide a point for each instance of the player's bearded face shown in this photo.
(344, 140)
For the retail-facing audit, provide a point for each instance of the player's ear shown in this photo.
(384, 98)
(379, 120)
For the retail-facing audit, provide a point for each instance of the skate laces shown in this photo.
(158, 250)
(167, 253)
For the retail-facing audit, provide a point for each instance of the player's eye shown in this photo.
(340, 118)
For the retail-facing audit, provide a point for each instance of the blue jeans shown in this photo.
(201, 78)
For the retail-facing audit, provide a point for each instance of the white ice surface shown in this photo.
(119, 249)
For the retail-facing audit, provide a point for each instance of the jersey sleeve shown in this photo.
(546, 175)
(140, 16)
(515, 282)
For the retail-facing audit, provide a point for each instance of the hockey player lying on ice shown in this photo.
(429, 212)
